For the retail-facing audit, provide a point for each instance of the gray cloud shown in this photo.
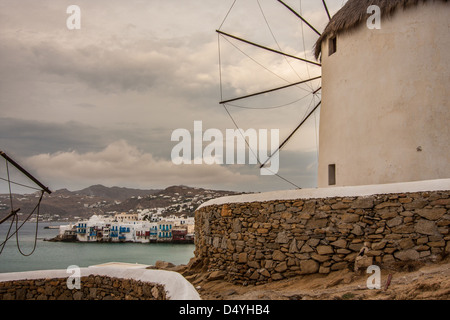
(25, 138)
(113, 71)
(125, 165)
(135, 72)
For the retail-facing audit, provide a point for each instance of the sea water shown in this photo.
(60, 255)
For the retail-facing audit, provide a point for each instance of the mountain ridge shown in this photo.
(115, 192)
(66, 205)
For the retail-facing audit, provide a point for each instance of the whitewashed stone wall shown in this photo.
(258, 242)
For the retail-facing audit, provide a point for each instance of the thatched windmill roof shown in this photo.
(354, 12)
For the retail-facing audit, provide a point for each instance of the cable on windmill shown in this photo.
(278, 44)
(255, 154)
(236, 125)
(303, 38)
(293, 132)
(255, 61)
(226, 16)
(224, 103)
(267, 48)
(269, 108)
(268, 91)
(16, 232)
(299, 16)
(14, 212)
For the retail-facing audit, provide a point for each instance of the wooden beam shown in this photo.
(293, 132)
(25, 172)
(326, 9)
(267, 48)
(268, 91)
(301, 18)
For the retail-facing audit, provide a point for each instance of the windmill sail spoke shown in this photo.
(314, 91)
(268, 91)
(267, 48)
(326, 9)
(293, 132)
(25, 172)
(13, 212)
(300, 17)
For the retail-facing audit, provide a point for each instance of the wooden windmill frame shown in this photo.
(225, 102)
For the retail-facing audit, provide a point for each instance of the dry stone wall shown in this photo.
(92, 288)
(257, 242)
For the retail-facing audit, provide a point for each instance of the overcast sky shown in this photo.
(98, 105)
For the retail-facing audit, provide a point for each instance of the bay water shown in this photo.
(60, 255)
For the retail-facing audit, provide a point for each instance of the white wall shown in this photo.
(385, 93)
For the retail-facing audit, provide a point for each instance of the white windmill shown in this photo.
(382, 93)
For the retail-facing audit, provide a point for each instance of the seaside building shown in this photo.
(385, 110)
(126, 217)
(165, 231)
(92, 229)
(153, 232)
(67, 233)
(182, 235)
(107, 229)
(155, 217)
(180, 221)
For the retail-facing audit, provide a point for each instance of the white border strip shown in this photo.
(354, 191)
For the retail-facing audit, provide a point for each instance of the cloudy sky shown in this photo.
(98, 105)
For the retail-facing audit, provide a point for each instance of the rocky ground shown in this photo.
(409, 281)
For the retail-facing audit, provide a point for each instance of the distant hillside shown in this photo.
(174, 200)
(114, 193)
(65, 205)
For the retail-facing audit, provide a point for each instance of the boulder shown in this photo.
(278, 255)
(431, 214)
(350, 217)
(309, 266)
(243, 257)
(323, 250)
(407, 255)
(216, 275)
(427, 227)
(163, 264)
(281, 267)
(395, 222)
(341, 243)
(282, 237)
(363, 203)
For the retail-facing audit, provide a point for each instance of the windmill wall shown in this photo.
(386, 101)
(267, 237)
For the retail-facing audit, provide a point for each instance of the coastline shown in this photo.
(72, 238)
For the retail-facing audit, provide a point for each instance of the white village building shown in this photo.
(127, 227)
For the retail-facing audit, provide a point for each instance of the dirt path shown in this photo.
(408, 282)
